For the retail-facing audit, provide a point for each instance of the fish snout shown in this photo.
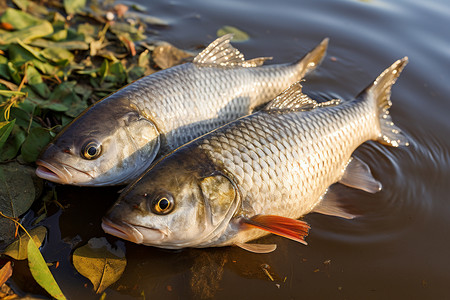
(122, 230)
(48, 171)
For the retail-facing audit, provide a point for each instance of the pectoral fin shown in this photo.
(257, 248)
(286, 227)
(357, 175)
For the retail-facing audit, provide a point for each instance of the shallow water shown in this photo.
(398, 248)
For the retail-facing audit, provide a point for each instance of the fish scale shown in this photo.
(277, 159)
(150, 117)
(239, 84)
(260, 173)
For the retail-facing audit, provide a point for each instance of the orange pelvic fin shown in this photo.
(286, 227)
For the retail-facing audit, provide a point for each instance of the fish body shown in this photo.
(260, 173)
(117, 138)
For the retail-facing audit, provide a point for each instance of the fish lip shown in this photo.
(47, 171)
(122, 230)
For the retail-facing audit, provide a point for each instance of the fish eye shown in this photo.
(162, 205)
(91, 150)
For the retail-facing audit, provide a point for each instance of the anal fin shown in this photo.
(257, 248)
(357, 175)
(286, 227)
(334, 205)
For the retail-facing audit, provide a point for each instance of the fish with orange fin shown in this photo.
(259, 174)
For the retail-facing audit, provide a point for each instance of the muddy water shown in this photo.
(398, 248)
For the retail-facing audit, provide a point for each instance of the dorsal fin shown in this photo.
(222, 53)
(292, 99)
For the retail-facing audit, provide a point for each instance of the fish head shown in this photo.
(174, 205)
(111, 143)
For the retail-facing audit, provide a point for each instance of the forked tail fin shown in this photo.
(380, 90)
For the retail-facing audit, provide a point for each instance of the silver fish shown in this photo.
(260, 173)
(117, 138)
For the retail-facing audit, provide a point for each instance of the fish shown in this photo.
(117, 138)
(259, 174)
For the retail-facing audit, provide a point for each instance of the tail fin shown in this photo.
(380, 90)
(313, 58)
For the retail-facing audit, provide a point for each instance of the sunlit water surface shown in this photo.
(398, 248)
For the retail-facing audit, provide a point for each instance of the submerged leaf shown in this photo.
(238, 35)
(19, 248)
(17, 188)
(100, 263)
(40, 271)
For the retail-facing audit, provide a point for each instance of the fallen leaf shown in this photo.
(35, 81)
(41, 273)
(19, 186)
(5, 273)
(5, 129)
(165, 55)
(19, 19)
(19, 248)
(100, 263)
(68, 45)
(238, 35)
(74, 6)
(13, 144)
(34, 143)
(28, 34)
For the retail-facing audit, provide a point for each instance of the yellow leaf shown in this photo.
(100, 263)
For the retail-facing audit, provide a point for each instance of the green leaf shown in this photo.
(11, 93)
(74, 6)
(19, 19)
(68, 45)
(41, 273)
(20, 54)
(19, 186)
(4, 68)
(5, 129)
(64, 95)
(238, 35)
(34, 143)
(18, 248)
(58, 55)
(13, 144)
(36, 82)
(100, 263)
(32, 7)
(28, 34)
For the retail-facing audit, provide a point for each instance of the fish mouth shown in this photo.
(61, 175)
(132, 233)
(47, 171)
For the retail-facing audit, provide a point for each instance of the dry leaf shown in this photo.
(100, 263)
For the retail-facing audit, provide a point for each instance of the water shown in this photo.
(398, 249)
